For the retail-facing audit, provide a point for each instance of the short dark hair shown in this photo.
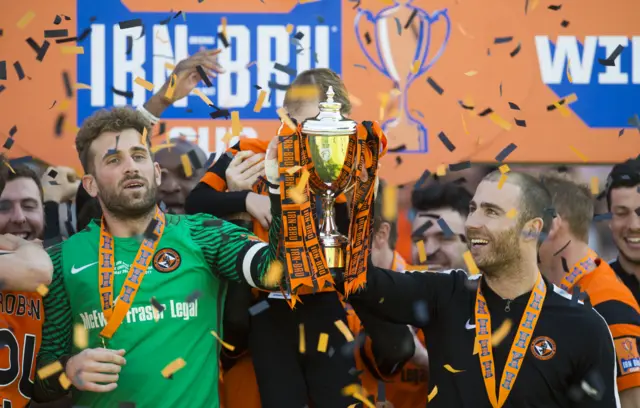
(113, 120)
(378, 219)
(442, 195)
(572, 200)
(323, 78)
(535, 200)
(623, 175)
(24, 171)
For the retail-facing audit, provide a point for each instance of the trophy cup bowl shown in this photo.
(330, 141)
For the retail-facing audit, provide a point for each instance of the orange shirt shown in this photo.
(616, 304)
(21, 318)
(239, 385)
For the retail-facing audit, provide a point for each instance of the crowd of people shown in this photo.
(487, 290)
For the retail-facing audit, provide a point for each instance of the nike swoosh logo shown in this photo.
(75, 270)
(468, 325)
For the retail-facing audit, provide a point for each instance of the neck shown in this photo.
(513, 281)
(127, 227)
(573, 253)
(629, 267)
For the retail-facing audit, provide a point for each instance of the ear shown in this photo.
(382, 236)
(532, 229)
(157, 173)
(90, 185)
(556, 227)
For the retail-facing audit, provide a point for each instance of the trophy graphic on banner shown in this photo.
(400, 65)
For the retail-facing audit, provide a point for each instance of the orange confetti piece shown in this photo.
(451, 369)
(293, 170)
(323, 341)
(304, 179)
(384, 100)
(6, 163)
(464, 124)
(49, 370)
(173, 367)
(172, 87)
(422, 253)
(355, 101)
(26, 19)
(82, 86)
(497, 119)
(80, 336)
(471, 73)
(504, 169)
(274, 274)
(282, 114)
(534, 4)
(441, 170)
(579, 154)
(595, 185)
(415, 67)
(236, 127)
(433, 393)
(512, 213)
(42, 290)
(64, 381)
(462, 30)
(390, 203)
(569, 73)
(169, 66)
(501, 332)
(202, 96)
(307, 1)
(261, 97)
(503, 179)
(289, 28)
(64, 105)
(222, 342)
(302, 347)
(144, 83)
(223, 23)
(144, 140)
(186, 165)
(563, 109)
(344, 330)
(227, 138)
(71, 49)
(472, 268)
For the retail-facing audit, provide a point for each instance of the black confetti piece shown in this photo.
(423, 179)
(565, 267)
(410, 20)
(397, 148)
(285, 69)
(565, 23)
(130, 23)
(13, 130)
(446, 142)
(195, 160)
(67, 84)
(157, 305)
(602, 217)
(52, 173)
(421, 312)
(501, 89)
(163, 128)
(502, 40)
(485, 112)
(224, 40)
(555, 8)
(460, 166)
(521, 122)
(3, 70)
(621, 132)
(2, 88)
(367, 38)
(55, 33)
(204, 76)
(19, 70)
(21, 160)
(59, 123)
(610, 61)
(514, 106)
(445, 228)
(398, 25)
(299, 35)
(150, 232)
(467, 107)
(57, 20)
(220, 114)
(258, 308)
(8, 143)
(635, 121)
(54, 104)
(178, 14)
(435, 86)
(215, 222)
(92, 19)
(67, 18)
(505, 152)
(398, 160)
(165, 21)
(516, 50)
(280, 87)
(562, 249)
(126, 94)
(489, 52)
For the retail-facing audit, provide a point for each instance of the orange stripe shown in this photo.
(628, 381)
(254, 145)
(214, 181)
(341, 199)
(624, 330)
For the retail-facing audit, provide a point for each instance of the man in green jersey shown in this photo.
(151, 342)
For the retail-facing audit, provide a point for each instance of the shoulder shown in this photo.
(565, 308)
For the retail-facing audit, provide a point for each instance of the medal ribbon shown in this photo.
(518, 349)
(583, 267)
(106, 266)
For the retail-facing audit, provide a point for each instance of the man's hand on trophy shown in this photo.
(244, 170)
(271, 162)
(259, 206)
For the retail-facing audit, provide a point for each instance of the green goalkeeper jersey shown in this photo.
(187, 277)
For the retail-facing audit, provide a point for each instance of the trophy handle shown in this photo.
(431, 20)
(371, 18)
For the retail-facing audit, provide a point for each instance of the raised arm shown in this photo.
(24, 265)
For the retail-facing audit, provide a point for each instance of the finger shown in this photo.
(239, 157)
(254, 170)
(93, 377)
(251, 162)
(263, 222)
(7, 244)
(269, 218)
(108, 356)
(93, 387)
(107, 368)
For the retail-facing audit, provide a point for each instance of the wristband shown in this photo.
(148, 115)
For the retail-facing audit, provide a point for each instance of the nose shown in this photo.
(473, 221)
(17, 215)
(431, 245)
(169, 184)
(635, 220)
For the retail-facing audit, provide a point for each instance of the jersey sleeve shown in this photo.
(411, 298)
(235, 253)
(56, 331)
(624, 323)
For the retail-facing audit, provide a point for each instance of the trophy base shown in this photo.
(335, 257)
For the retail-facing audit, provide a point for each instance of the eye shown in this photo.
(491, 212)
(139, 156)
(113, 160)
(30, 206)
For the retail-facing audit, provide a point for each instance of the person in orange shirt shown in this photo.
(568, 262)
(24, 267)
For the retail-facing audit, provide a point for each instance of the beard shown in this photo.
(129, 205)
(503, 250)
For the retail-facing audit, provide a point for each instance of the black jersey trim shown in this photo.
(616, 312)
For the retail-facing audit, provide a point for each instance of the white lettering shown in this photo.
(239, 39)
(98, 65)
(321, 47)
(198, 40)
(635, 62)
(124, 64)
(552, 68)
(184, 310)
(266, 72)
(613, 75)
(303, 50)
(163, 52)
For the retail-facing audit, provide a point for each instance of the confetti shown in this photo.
(595, 185)
(261, 97)
(236, 127)
(156, 305)
(258, 308)
(80, 336)
(514, 106)
(498, 120)
(223, 39)
(390, 203)
(204, 76)
(285, 69)
(501, 332)
(150, 232)
(411, 17)
(472, 268)
(173, 367)
(433, 393)
(516, 50)
(57, 20)
(565, 267)
(502, 40)
(222, 342)
(512, 213)
(441, 171)
(415, 67)
(59, 124)
(423, 179)
(554, 7)
(26, 19)
(565, 23)
(130, 23)
(172, 87)
(422, 253)
(204, 97)
(621, 132)
(282, 113)
(49, 370)
(42, 290)
(451, 369)
(504, 169)
(75, 50)
(186, 165)
(3, 70)
(471, 73)
(55, 33)
(460, 166)
(506, 152)
(397, 149)
(40, 51)
(344, 330)
(143, 83)
(435, 86)
(19, 71)
(8, 143)
(610, 61)
(467, 107)
(82, 86)
(503, 179)
(520, 122)
(579, 154)
(302, 348)
(64, 381)
(274, 274)
(569, 77)
(446, 142)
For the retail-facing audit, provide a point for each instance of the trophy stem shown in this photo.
(333, 242)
